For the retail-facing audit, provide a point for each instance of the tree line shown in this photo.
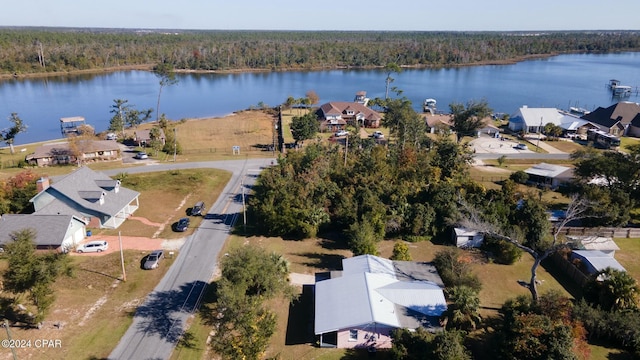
(44, 50)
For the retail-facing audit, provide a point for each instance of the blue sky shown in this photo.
(418, 15)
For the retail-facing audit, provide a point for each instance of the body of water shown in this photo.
(562, 81)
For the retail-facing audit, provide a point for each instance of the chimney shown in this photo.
(42, 184)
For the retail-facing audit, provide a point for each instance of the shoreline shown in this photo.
(149, 67)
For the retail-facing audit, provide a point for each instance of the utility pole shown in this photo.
(13, 351)
(244, 208)
(346, 148)
(539, 134)
(124, 274)
(175, 143)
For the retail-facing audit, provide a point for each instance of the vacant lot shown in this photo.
(93, 309)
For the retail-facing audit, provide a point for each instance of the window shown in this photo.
(353, 335)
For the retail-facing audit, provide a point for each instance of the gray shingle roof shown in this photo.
(50, 229)
(82, 187)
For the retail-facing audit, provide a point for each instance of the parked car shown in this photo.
(112, 136)
(153, 260)
(141, 155)
(341, 133)
(93, 246)
(181, 225)
(377, 135)
(521, 146)
(197, 209)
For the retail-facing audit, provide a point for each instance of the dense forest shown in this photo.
(47, 50)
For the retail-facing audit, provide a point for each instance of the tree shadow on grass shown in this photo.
(322, 261)
(161, 314)
(300, 321)
(563, 279)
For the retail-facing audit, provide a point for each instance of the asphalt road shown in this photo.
(161, 319)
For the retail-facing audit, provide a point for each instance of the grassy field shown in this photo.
(93, 308)
(165, 197)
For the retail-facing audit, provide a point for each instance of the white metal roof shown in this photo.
(369, 292)
(368, 263)
(599, 259)
(547, 170)
(595, 242)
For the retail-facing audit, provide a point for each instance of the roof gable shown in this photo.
(49, 229)
(88, 190)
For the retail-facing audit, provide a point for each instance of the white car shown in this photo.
(521, 147)
(342, 133)
(378, 135)
(93, 246)
(141, 155)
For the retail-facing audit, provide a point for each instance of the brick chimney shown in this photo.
(42, 184)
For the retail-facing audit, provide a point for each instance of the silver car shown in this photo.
(153, 260)
(93, 246)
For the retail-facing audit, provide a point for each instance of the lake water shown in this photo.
(561, 81)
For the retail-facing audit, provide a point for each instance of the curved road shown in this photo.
(161, 319)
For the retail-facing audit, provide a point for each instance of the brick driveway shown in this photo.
(132, 243)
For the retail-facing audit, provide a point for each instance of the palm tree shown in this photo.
(463, 312)
(615, 289)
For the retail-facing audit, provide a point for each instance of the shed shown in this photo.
(604, 244)
(465, 238)
(549, 175)
(595, 261)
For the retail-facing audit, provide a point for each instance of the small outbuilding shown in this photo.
(465, 238)
(549, 175)
(595, 261)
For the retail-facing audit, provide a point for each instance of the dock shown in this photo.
(69, 125)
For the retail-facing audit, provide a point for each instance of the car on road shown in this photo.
(197, 209)
(521, 146)
(152, 260)
(141, 155)
(93, 246)
(341, 133)
(377, 135)
(181, 225)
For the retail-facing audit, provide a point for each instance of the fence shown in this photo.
(566, 267)
(604, 232)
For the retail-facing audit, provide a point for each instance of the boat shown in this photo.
(578, 110)
(429, 106)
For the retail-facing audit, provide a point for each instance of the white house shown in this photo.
(373, 296)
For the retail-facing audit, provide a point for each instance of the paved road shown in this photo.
(161, 319)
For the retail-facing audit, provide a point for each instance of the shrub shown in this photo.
(503, 252)
(519, 176)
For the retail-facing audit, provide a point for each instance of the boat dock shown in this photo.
(619, 90)
(69, 125)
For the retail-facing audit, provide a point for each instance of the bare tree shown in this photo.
(576, 210)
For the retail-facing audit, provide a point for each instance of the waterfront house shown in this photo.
(143, 137)
(336, 115)
(74, 152)
(619, 119)
(89, 195)
(358, 307)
